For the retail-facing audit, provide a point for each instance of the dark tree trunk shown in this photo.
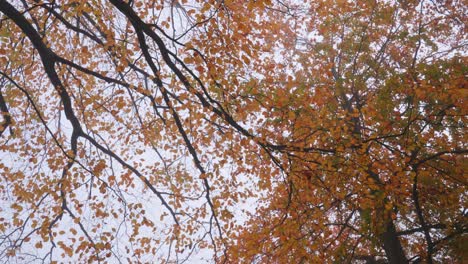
(392, 246)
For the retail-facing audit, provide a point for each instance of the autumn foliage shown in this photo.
(320, 131)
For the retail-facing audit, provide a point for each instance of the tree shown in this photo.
(235, 131)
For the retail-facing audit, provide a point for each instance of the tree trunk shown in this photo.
(392, 246)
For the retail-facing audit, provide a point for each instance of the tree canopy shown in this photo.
(229, 131)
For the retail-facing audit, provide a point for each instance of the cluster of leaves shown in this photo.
(233, 131)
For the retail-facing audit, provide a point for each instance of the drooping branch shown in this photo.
(180, 127)
(49, 59)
